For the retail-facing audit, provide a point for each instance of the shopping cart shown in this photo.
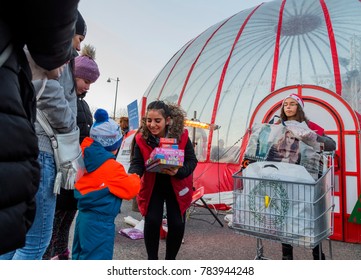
(300, 214)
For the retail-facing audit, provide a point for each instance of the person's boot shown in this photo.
(287, 252)
(316, 254)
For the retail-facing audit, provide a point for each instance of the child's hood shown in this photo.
(94, 154)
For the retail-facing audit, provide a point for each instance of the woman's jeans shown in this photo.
(39, 235)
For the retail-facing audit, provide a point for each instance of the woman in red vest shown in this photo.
(172, 186)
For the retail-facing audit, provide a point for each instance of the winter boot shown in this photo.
(287, 252)
(316, 253)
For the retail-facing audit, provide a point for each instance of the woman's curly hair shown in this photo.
(172, 110)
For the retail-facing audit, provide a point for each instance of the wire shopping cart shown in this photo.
(300, 214)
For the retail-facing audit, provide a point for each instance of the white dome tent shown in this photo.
(237, 72)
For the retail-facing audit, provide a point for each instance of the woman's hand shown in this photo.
(171, 171)
(309, 136)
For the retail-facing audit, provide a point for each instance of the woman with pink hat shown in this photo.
(293, 110)
(86, 72)
(82, 71)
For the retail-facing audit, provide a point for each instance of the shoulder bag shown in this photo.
(67, 152)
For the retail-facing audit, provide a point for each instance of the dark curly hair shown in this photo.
(174, 111)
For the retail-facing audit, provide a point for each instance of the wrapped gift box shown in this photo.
(171, 146)
(167, 154)
(167, 141)
(158, 164)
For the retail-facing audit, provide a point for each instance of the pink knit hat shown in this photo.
(295, 97)
(86, 68)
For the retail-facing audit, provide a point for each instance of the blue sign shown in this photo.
(133, 115)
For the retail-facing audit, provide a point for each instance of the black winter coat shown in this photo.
(84, 118)
(47, 28)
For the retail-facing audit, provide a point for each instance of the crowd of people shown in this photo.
(43, 70)
(41, 54)
(46, 29)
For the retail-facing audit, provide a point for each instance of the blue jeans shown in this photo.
(39, 235)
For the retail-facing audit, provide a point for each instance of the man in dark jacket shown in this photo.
(47, 28)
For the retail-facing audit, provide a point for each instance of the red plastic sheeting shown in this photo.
(214, 177)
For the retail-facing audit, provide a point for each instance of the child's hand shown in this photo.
(171, 171)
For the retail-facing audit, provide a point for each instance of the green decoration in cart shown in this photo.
(269, 203)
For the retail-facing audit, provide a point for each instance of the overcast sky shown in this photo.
(134, 39)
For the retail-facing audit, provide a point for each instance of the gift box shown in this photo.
(158, 164)
(171, 146)
(167, 154)
(163, 140)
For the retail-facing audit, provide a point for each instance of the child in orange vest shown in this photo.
(100, 191)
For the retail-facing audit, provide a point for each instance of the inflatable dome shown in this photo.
(237, 72)
(225, 72)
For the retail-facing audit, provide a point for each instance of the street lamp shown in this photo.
(116, 93)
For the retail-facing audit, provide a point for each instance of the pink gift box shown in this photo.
(159, 164)
(167, 154)
(168, 141)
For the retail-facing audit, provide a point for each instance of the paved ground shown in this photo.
(206, 239)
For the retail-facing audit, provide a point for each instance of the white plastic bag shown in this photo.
(283, 205)
(278, 171)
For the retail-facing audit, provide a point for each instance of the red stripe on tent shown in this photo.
(224, 71)
(277, 47)
(144, 106)
(331, 36)
(196, 60)
(170, 72)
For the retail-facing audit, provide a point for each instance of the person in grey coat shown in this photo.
(86, 72)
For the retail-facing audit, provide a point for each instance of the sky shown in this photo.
(134, 39)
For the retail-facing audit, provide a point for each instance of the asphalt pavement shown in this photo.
(206, 239)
